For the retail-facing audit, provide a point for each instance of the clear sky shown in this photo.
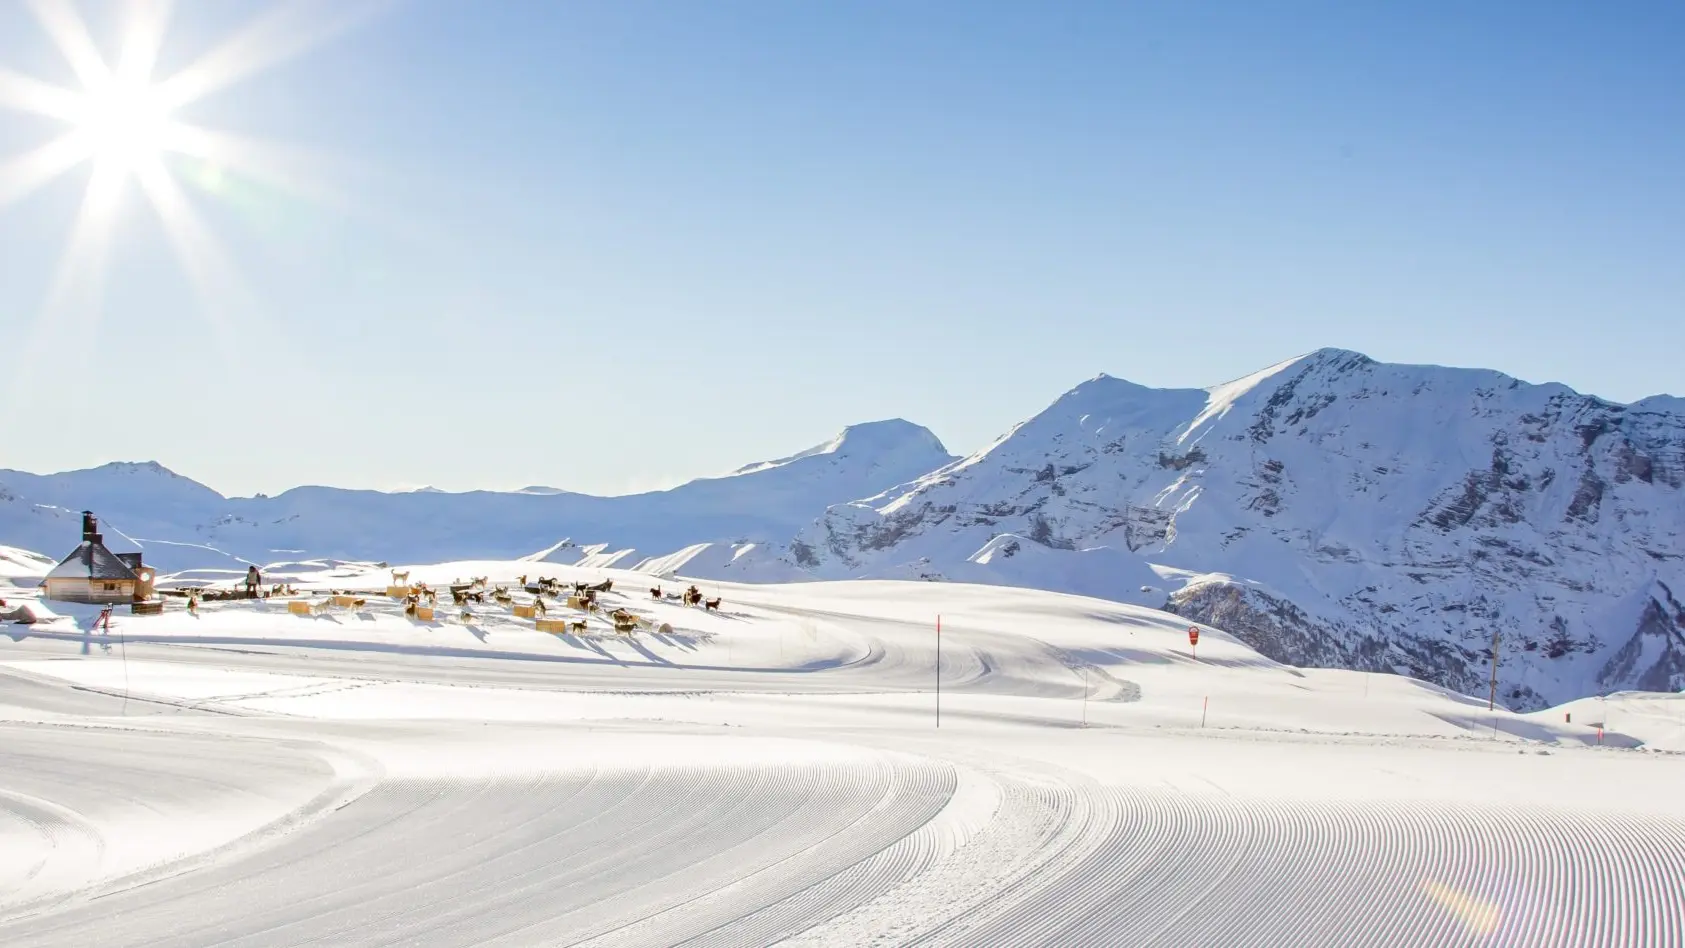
(610, 246)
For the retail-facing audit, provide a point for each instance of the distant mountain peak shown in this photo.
(157, 477)
(889, 436)
(1106, 387)
(1669, 404)
(1337, 356)
(890, 433)
(1105, 400)
(136, 467)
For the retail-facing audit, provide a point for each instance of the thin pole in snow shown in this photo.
(1492, 696)
(938, 671)
(1204, 708)
(123, 646)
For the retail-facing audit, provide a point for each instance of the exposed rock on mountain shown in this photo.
(1332, 510)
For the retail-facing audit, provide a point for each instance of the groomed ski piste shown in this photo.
(775, 772)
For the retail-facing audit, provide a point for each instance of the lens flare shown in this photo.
(123, 124)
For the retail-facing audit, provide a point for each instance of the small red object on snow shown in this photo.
(1193, 635)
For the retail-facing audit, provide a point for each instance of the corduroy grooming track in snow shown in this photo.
(773, 772)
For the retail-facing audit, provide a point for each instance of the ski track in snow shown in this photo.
(861, 849)
(622, 855)
(1176, 869)
(283, 794)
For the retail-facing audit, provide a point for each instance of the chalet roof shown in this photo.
(91, 560)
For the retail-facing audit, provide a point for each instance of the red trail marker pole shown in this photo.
(1193, 641)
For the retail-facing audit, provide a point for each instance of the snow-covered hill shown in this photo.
(781, 771)
(22, 565)
(182, 524)
(1330, 510)
(1334, 511)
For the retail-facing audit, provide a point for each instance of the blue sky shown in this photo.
(613, 245)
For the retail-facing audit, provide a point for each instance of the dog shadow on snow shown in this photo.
(588, 644)
(643, 650)
(676, 640)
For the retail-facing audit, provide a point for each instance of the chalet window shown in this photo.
(110, 586)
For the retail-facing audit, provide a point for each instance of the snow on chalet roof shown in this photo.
(91, 560)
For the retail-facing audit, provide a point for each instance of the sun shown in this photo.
(127, 126)
(124, 124)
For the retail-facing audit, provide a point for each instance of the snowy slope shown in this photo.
(1658, 720)
(1332, 510)
(182, 524)
(171, 517)
(22, 565)
(1337, 511)
(774, 773)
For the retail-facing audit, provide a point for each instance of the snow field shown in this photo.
(84, 807)
(605, 850)
(1658, 720)
(495, 785)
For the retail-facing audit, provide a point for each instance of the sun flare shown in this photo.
(124, 124)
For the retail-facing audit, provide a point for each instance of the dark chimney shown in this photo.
(90, 528)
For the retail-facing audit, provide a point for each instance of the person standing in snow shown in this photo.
(254, 579)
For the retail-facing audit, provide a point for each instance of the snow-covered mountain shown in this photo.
(180, 523)
(1330, 510)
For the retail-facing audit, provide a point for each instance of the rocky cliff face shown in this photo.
(1333, 510)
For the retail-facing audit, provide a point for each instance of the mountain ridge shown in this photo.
(162, 510)
(1328, 509)
(1331, 509)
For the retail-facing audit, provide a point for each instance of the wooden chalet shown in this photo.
(94, 574)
